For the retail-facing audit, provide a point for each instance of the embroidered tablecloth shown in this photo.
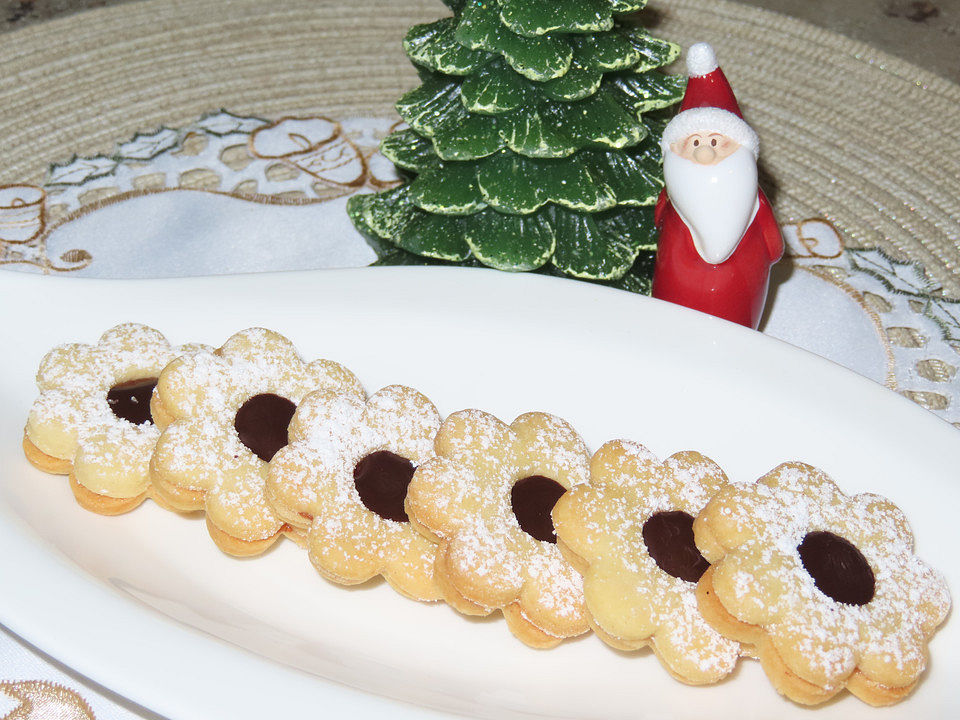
(163, 183)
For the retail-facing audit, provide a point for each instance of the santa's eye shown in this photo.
(696, 143)
(713, 142)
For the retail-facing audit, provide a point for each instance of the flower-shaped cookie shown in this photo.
(92, 420)
(486, 499)
(824, 586)
(630, 531)
(226, 414)
(343, 478)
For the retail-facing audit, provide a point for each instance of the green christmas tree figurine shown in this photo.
(528, 146)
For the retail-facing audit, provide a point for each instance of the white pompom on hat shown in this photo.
(707, 86)
(710, 120)
(701, 60)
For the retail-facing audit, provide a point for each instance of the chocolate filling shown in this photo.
(130, 400)
(381, 479)
(532, 499)
(837, 567)
(669, 540)
(261, 423)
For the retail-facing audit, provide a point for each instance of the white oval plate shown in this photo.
(146, 605)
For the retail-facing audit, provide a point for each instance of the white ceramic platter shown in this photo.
(147, 606)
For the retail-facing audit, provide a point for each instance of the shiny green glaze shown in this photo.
(605, 51)
(511, 242)
(601, 246)
(433, 46)
(448, 189)
(435, 236)
(653, 52)
(643, 93)
(530, 142)
(579, 83)
(632, 177)
(625, 6)
(495, 89)
(541, 58)
(533, 18)
(515, 184)
(598, 120)
(436, 101)
(410, 151)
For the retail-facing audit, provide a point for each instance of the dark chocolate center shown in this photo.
(262, 421)
(838, 569)
(381, 479)
(532, 499)
(669, 540)
(130, 400)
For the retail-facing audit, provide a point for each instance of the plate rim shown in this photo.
(20, 610)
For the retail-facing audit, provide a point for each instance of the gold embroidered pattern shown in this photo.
(300, 161)
(41, 700)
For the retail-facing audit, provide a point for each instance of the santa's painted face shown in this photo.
(713, 188)
(705, 148)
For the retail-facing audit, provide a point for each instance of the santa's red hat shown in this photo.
(709, 104)
(707, 85)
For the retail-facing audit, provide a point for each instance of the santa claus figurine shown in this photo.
(718, 236)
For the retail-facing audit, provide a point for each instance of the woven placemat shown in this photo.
(849, 133)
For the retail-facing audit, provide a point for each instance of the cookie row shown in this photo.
(822, 587)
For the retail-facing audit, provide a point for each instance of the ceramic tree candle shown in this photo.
(529, 142)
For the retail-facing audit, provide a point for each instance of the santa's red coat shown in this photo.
(735, 289)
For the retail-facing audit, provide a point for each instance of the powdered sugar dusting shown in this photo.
(561, 586)
(485, 551)
(480, 460)
(204, 391)
(687, 641)
(546, 444)
(629, 486)
(314, 474)
(817, 635)
(72, 420)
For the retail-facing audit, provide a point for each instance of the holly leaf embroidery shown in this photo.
(946, 314)
(146, 146)
(226, 123)
(79, 170)
(904, 278)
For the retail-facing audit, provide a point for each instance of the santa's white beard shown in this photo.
(717, 203)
